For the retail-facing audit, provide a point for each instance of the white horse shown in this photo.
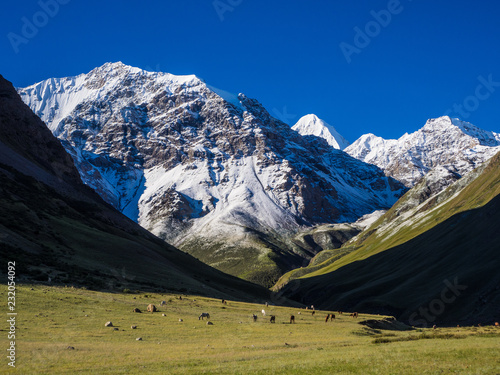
(204, 315)
(263, 312)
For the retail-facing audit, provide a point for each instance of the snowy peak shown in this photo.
(450, 125)
(441, 141)
(104, 82)
(313, 125)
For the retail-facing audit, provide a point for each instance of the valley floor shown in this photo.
(53, 320)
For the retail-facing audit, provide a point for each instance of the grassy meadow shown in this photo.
(51, 320)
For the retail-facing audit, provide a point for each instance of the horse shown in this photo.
(292, 319)
(254, 317)
(273, 319)
(204, 315)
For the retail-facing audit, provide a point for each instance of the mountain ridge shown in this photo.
(440, 142)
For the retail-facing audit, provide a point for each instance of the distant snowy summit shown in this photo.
(313, 125)
(440, 142)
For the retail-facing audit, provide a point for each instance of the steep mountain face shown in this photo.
(312, 125)
(411, 259)
(58, 230)
(210, 172)
(441, 142)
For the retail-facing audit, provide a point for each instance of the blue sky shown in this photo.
(417, 59)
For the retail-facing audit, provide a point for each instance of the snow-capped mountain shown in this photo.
(441, 142)
(211, 172)
(312, 125)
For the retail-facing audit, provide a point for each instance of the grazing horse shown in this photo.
(254, 317)
(332, 316)
(340, 312)
(354, 314)
(273, 319)
(292, 319)
(263, 312)
(204, 315)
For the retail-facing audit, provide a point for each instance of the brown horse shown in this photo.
(292, 319)
(273, 319)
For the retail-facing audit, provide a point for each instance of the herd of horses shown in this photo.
(329, 317)
(203, 315)
(272, 318)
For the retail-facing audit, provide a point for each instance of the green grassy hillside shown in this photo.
(61, 331)
(402, 268)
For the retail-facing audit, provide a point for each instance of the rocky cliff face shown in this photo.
(442, 142)
(208, 171)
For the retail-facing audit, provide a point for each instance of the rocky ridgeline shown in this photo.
(443, 143)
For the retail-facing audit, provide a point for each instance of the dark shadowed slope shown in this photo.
(457, 242)
(58, 230)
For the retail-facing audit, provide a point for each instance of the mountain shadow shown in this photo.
(447, 275)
